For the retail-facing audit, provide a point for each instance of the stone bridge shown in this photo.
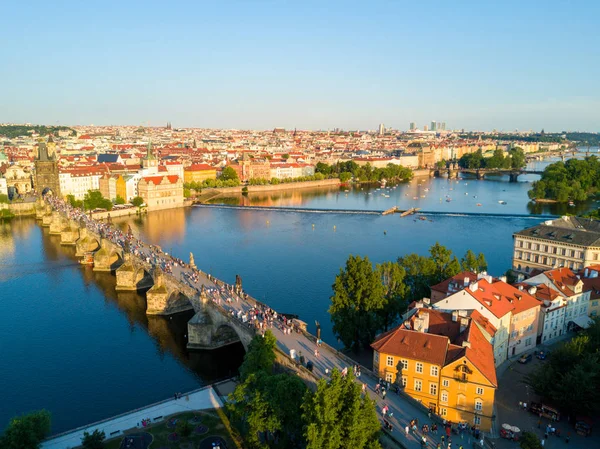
(211, 327)
(480, 173)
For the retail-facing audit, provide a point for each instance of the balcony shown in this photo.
(461, 377)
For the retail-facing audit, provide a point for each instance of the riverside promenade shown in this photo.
(259, 317)
(205, 398)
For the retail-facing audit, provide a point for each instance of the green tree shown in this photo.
(530, 440)
(26, 431)
(323, 168)
(229, 174)
(345, 176)
(337, 416)
(446, 264)
(285, 156)
(570, 378)
(474, 263)
(357, 302)
(94, 440)
(93, 200)
(260, 356)
(420, 275)
(119, 200)
(394, 292)
(184, 428)
(4, 199)
(517, 157)
(137, 201)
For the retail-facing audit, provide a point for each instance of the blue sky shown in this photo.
(306, 64)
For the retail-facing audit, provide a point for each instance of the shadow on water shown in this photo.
(168, 332)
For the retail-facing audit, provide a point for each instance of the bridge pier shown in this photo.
(86, 243)
(70, 234)
(131, 276)
(56, 225)
(513, 177)
(107, 258)
(164, 298)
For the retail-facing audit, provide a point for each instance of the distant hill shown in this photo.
(12, 131)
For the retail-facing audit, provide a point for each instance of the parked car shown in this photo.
(583, 426)
(525, 358)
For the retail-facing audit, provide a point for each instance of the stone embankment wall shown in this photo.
(20, 209)
(285, 186)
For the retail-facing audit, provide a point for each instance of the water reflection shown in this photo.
(168, 332)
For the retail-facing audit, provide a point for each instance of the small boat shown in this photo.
(479, 204)
(422, 218)
(426, 190)
(571, 203)
(466, 193)
(415, 197)
(448, 200)
(502, 202)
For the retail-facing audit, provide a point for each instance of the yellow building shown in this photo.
(199, 173)
(457, 380)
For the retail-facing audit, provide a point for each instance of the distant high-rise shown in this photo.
(425, 128)
(413, 126)
(381, 129)
(443, 126)
(433, 126)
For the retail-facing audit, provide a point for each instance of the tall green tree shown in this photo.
(26, 431)
(93, 200)
(94, 440)
(356, 304)
(229, 174)
(394, 292)
(446, 264)
(260, 356)
(337, 416)
(473, 263)
(570, 378)
(420, 275)
(517, 157)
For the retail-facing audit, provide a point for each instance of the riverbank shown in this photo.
(270, 187)
(201, 399)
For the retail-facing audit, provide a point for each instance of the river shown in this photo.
(71, 344)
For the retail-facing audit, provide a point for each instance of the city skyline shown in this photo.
(309, 66)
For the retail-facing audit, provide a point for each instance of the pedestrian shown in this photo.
(543, 442)
(520, 404)
(525, 406)
(383, 393)
(406, 430)
(442, 439)
(568, 438)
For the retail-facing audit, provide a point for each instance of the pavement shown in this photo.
(205, 398)
(512, 389)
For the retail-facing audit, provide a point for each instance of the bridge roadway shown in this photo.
(402, 408)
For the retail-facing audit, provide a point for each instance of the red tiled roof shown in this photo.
(458, 279)
(564, 279)
(413, 345)
(440, 323)
(156, 180)
(199, 167)
(483, 322)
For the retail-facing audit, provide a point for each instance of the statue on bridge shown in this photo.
(192, 263)
(238, 284)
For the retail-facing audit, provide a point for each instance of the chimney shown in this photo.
(520, 277)
(466, 281)
(464, 322)
(521, 287)
(426, 301)
(466, 344)
(473, 287)
(532, 290)
(502, 279)
(455, 316)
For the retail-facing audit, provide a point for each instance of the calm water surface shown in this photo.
(71, 344)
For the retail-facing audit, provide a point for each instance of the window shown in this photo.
(446, 383)
(444, 397)
(418, 385)
(442, 412)
(376, 356)
(434, 371)
(404, 364)
(479, 391)
(389, 377)
(404, 381)
(477, 420)
(419, 368)
(478, 405)
(528, 341)
(433, 389)
(390, 360)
